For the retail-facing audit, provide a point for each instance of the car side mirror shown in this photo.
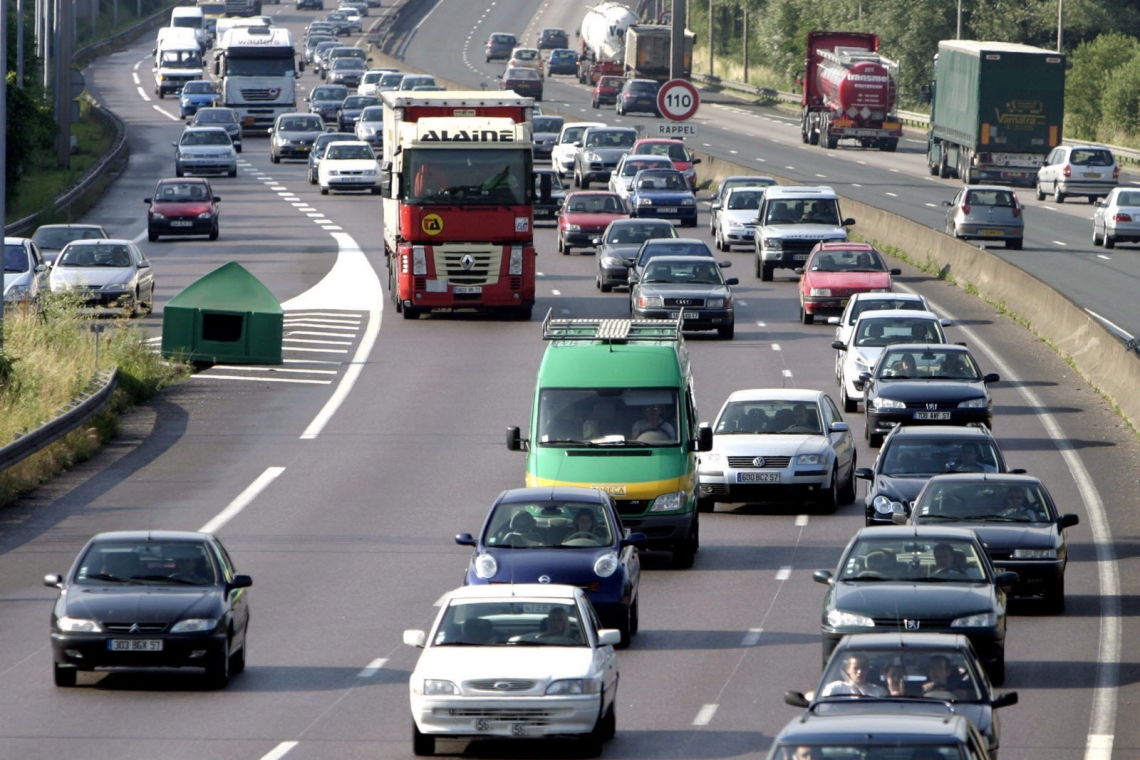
(53, 580)
(578, 144)
(1017, 471)
(848, 222)
(821, 576)
(515, 440)
(724, 264)
(732, 281)
(839, 345)
(839, 427)
(241, 581)
(147, 200)
(900, 518)
(1067, 521)
(799, 270)
(993, 377)
(415, 639)
(638, 540)
(896, 272)
(704, 437)
(609, 637)
(833, 320)
(945, 322)
(1004, 700)
(144, 265)
(498, 76)
(795, 699)
(947, 203)
(715, 207)
(1101, 204)
(865, 473)
(695, 161)
(465, 539)
(1006, 580)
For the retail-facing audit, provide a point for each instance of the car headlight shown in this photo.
(774, 244)
(573, 228)
(1035, 554)
(688, 202)
(668, 502)
(862, 366)
(981, 620)
(820, 292)
(839, 618)
(113, 287)
(713, 459)
(974, 403)
(78, 625)
(369, 172)
(194, 625)
(486, 566)
(157, 216)
(889, 403)
(734, 224)
(575, 686)
(437, 686)
(205, 215)
(334, 172)
(644, 201)
(16, 292)
(651, 302)
(606, 565)
(593, 157)
(885, 506)
(612, 261)
(812, 459)
(715, 303)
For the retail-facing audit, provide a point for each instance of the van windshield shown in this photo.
(608, 416)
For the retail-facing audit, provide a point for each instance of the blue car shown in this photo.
(562, 535)
(563, 61)
(198, 93)
(663, 194)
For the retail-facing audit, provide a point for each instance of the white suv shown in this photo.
(792, 220)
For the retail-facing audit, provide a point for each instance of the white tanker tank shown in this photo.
(603, 31)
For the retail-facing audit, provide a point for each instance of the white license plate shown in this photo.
(135, 645)
(800, 257)
(354, 179)
(932, 415)
(468, 289)
(757, 477)
(688, 315)
(517, 729)
(182, 224)
(667, 210)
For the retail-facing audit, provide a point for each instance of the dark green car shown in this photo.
(922, 579)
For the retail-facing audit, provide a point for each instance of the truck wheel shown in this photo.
(943, 169)
(766, 273)
(933, 167)
(832, 142)
(804, 129)
(889, 146)
(410, 313)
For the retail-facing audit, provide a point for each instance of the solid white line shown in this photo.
(704, 715)
(1113, 325)
(1099, 747)
(297, 318)
(318, 342)
(316, 350)
(242, 501)
(162, 111)
(372, 668)
(787, 373)
(1102, 256)
(211, 376)
(279, 751)
(1060, 242)
(320, 334)
(143, 94)
(783, 573)
(311, 361)
(752, 638)
(932, 205)
(243, 368)
(334, 315)
(801, 521)
(893, 195)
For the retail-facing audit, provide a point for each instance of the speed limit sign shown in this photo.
(678, 100)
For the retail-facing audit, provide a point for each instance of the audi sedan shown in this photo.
(150, 599)
(690, 288)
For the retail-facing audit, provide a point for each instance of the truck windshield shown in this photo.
(607, 416)
(180, 59)
(446, 177)
(260, 67)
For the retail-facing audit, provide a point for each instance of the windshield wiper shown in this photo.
(947, 518)
(872, 578)
(995, 518)
(165, 579)
(106, 577)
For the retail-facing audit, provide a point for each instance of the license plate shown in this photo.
(135, 645)
(800, 257)
(757, 477)
(468, 289)
(1092, 175)
(182, 224)
(542, 212)
(667, 210)
(643, 102)
(688, 315)
(932, 415)
(484, 724)
(991, 233)
(843, 301)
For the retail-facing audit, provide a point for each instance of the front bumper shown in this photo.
(584, 239)
(679, 213)
(92, 650)
(791, 484)
(822, 304)
(207, 165)
(782, 259)
(350, 182)
(705, 319)
(506, 717)
(293, 151)
(174, 226)
(885, 420)
(738, 235)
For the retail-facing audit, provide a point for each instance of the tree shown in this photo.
(1092, 64)
(1120, 102)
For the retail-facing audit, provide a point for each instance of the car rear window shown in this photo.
(1084, 157)
(990, 198)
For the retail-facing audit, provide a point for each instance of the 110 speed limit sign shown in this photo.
(678, 100)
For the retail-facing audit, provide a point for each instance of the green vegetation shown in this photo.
(49, 358)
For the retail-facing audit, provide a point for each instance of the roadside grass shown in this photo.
(733, 71)
(49, 358)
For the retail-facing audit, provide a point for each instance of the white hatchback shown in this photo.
(861, 302)
(514, 662)
(348, 165)
(736, 217)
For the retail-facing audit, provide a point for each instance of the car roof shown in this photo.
(795, 191)
(863, 728)
(183, 181)
(552, 493)
(891, 296)
(203, 128)
(101, 241)
(941, 431)
(610, 128)
(681, 259)
(1003, 188)
(76, 226)
(895, 314)
(353, 142)
(655, 222)
(655, 140)
(674, 241)
(841, 245)
(916, 531)
(151, 535)
(903, 640)
(771, 394)
(509, 590)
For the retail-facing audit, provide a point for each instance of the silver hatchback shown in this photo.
(1117, 218)
(986, 212)
(1088, 170)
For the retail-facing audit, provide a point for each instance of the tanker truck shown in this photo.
(848, 92)
(602, 41)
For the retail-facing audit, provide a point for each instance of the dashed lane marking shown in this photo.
(705, 715)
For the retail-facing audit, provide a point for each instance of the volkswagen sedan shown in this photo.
(292, 135)
(205, 150)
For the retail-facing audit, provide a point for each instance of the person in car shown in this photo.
(1016, 507)
(856, 672)
(654, 421)
(942, 676)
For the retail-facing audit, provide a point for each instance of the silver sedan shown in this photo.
(1117, 218)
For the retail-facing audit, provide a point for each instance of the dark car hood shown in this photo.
(930, 390)
(181, 208)
(682, 290)
(900, 489)
(1010, 536)
(545, 136)
(571, 566)
(979, 713)
(879, 599)
(142, 604)
(662, 197)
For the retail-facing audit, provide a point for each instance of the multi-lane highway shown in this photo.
(337, 480)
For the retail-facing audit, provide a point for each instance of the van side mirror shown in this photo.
(515, 440)
(704, 437)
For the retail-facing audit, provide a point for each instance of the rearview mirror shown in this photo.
(798, 270)
(865, 473)
(514, 439)
(54, 580)
(1067, 521)
(993, 377)
(833, 320)
(947, 203)
(896, 272)
(732, 281)
(822, 576)
(899, 518)
(610, 637)
(839, 345)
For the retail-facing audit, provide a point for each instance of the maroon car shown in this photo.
(606, 91)
(184, 206)
(524, 81)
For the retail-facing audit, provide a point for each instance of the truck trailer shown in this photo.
(996, 111)
(649, 51)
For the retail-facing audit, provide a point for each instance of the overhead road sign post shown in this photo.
(678, 100)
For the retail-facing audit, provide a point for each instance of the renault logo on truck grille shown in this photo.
(467, 262)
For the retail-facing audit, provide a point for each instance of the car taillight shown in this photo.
(1122, 218)
(1116, 172)
(1067, 171)
(1016, 206)
(965, 208)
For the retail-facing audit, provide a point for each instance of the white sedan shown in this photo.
(778, 445)
(1117, 218)
(861, 302)
(736, 217)
(514, 661)
(348, 165)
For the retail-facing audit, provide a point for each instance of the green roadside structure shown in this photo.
(228, 316)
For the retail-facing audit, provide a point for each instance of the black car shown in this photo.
(340, 22)
(549, 194)
(692, 285)
(618, 246)
(550, 39)
(150, 599)
(499, 46)
(318, 151)
(325, 100)
(911, 455)
(925, 384)
(917, 666)
(638, 96)
(310, 5)
(227, 118)
(562, 535)
(351, 108)
(651, 249)
(546, 131)
(926, 579)
(1016, 519)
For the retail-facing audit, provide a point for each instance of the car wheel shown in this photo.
(847, 493)
(850, 405)
(706, 505)
(422, 744)
(766, 273)
(218, 670)
(324, 191)
(64, 676)
(829, 499)
(1040, 193)
(1014, 244)
(727, 332)
(214, 232)
(178, 171)
(625, 627)
(312, 178)
(410, 313)
(875, 440)
(238, 148)
(136, 305)
(237, 659)
(584, 182)
(1109, 240)
(1097, 239)
(635, 616)
(1092, 199)
(606, 287)
(1058, 196)
(806, 317)
(577, 180)
(1054, 600)
(232, 173)
(685, 554)
(151, 235)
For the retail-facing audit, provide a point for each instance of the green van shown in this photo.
(614, 409)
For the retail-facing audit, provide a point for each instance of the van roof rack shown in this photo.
(611, 330)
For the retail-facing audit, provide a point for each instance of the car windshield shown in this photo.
(547, 123)
(329, 137)
(445, 177)
(180, 192)
(15, 258)
(555, 181)
(349, 152)
(803, 211)
(630, 168)
(199, 88)
(991, 198)
(179, 59)
(911, 458)
(928, 365)
(359, 101)
(728, 184)
(525, 54)
(372, 113)
(114, 256)
(672, 151)
(984, 502)
(607, 417)
(548, 525)
(636, 234)
(301, 124)
(206, 137)
(56, 238)
(408, 82)
(661, 180)
(915, 560)
(594, 204)
(861, 305)
(769, 417)
(610, 138)
(847, 261)
(642, 88)
(926, 750)
(215, 116)
(653, 250)
(909, 672)
(745, 200)
(1084, 157)
(612, 82)
(687, 272)
(353, 64)
(182, 563)
(330, 93)
(888, 330)
(391, 80)
(514, 622)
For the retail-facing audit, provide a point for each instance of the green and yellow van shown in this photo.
(614, 409)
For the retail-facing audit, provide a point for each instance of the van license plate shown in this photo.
(468, 289)
(688, 315)
(757, 477)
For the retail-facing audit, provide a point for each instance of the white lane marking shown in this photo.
(243, 500)
(704, 715)
(1048, 208)
(1113, 325)
(733, 151)
(822, 176)
(320, 334)
(762, 160)
(162, 111)
(893, 195)
(317, 350)
(372, 668)
(243, 368)
(787, 373)
(752, 638)
(311, 361)
(135, 77)
(212, 376)
(801, 521)
(864, 163)
(932, 205)
(279, 751)
(783, 573)
(1102, 256)
(892, 170)
(776, 347)
(318, 342)
(789, 167)
(1102, 721)
(556, 292)
(1060, 242)
(855, 184)
(315, 215)
(761, 324)
(143, 94)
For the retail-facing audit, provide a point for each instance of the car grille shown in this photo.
(923, 623)
(486, 263)
(260, 95)
(351, 172)
(139, 627)
(800, 245)
(532, 715)
(749, 463)
(684, 302)
(932, 405)
(500, 685)
(632, 506)
(714, 489)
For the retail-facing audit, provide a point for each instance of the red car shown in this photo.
(675, 150)
(836, 271)
(585, 216)
(184, 206)
(606, 92)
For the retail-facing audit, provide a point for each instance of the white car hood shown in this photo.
(16, 278)
(89, 277)
(347, 164)
(541, 663)
(867, 354)
(780, 444)
(740, 216)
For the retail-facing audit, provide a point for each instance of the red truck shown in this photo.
(457, 179)
(849, 92)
